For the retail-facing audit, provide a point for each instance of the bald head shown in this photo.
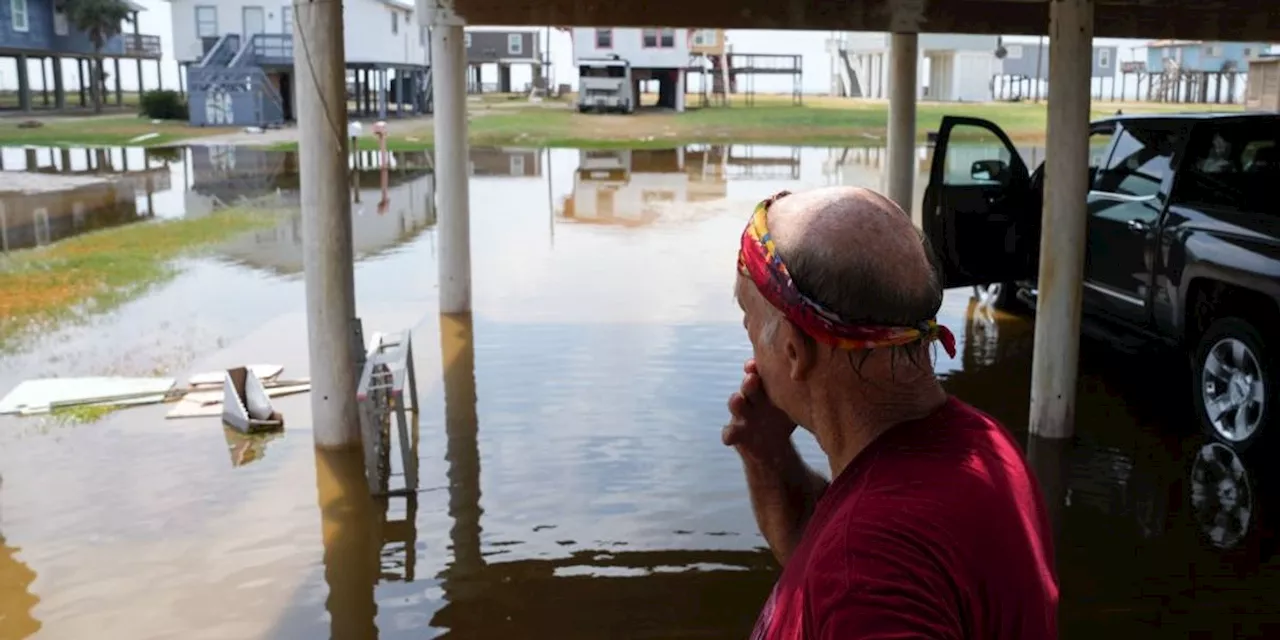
(856, 253)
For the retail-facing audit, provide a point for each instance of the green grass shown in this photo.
(96, 272)
(820, 122)
(106, 131)
(83, 414)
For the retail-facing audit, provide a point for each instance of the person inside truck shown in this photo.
(1219, 158)
(932, 524)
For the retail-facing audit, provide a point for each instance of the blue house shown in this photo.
(1202, 56)
(35, 31)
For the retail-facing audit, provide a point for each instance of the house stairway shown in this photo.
(230, 87)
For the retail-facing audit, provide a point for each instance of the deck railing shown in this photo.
(142, 46)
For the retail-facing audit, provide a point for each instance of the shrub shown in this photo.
(164, 105)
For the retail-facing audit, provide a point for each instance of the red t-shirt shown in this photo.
(936, 530)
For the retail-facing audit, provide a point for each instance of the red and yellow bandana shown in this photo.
(758, 260)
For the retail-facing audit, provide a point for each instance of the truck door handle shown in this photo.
(1138, 226)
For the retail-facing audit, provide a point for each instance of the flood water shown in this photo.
(572, 480)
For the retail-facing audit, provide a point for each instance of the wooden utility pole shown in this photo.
(1055, 363)
(328, 257)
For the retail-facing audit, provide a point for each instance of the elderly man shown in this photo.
(932, 525)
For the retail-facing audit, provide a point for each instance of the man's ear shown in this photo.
(801, 351)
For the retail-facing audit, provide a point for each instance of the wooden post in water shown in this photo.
(1057, 334)
(328, 257)
(449, 76)
(903, 83)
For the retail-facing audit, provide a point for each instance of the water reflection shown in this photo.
(586, 393)
(351, 525)
(17, 602)
(462, 451)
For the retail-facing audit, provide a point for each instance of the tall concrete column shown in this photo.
(328, 257)
(449, 58)
(1057, 336)
(903, 85)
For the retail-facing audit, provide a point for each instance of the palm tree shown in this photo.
(100, 20)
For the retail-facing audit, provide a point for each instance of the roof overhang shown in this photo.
(1228, 20)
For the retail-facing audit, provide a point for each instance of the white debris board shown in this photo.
(42, 395)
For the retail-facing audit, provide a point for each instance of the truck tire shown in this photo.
(1233, 383)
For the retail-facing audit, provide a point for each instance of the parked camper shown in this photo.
(605, 84)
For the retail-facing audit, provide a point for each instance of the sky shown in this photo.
(809, 44)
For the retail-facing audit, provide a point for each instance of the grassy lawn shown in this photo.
(111, 130)
(821, 121)
(501, 120)
(96, 272)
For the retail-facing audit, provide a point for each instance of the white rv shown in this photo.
(605, 84)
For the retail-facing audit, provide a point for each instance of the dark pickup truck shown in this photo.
(1183, 244)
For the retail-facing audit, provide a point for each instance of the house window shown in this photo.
(18, 8)
(704, 37)
(206, 22)
(60, 26)
(515, 44)
(1104, 58)
(649, 38)
(668, 38)
(286, 20)
(604, 38)
(1013, 52)
(1248, 51)
(1213, 51)
(395, 23)
(466, 40)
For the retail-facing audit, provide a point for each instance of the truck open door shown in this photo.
(981, 213)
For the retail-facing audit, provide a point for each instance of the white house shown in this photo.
(659, 53)
(376, 31)
(954, 68)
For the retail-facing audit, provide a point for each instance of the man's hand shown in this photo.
(756, 427)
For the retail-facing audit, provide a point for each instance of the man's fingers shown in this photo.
(750, 366)
(751, 387)
(729, 434)
(737, 404)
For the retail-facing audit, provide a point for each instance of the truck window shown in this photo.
(602, 72)
(1232, 163)
(1140, 160)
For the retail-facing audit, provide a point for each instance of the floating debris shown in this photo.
(264, 372)
(43, 395)
(245, 404)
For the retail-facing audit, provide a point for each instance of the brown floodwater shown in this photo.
(572, 480)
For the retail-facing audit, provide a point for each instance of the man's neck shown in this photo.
(852, 421)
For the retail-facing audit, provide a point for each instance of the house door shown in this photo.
(255, 21)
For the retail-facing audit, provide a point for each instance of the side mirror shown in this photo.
(1093, 175)
(989, 170)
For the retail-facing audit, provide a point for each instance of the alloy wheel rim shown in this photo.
(1233, 389)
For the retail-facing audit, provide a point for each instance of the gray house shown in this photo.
(1021, 60)
(503, 48)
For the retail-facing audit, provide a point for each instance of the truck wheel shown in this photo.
(1233, 383)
